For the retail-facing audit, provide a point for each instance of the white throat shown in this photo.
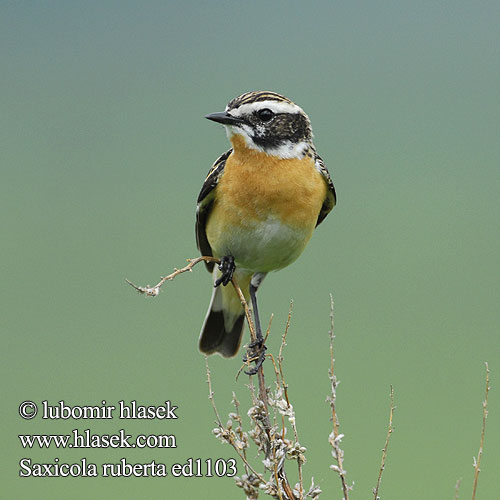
(287, 150)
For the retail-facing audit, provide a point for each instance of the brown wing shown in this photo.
(205, 201)
(331, 197)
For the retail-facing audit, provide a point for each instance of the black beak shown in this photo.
(225, 118)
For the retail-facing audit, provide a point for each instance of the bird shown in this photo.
(257, 208)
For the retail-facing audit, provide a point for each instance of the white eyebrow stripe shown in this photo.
(274, 106)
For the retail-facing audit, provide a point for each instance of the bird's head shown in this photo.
(268, 122)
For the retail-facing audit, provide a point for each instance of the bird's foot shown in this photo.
(227, 267)
(256, 352)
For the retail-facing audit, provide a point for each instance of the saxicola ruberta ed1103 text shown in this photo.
(257, 208)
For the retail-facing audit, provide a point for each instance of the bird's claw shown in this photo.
(259, 355)
(227, 267)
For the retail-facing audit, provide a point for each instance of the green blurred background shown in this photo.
(103, 151)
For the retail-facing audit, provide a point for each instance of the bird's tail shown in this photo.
(223, 326)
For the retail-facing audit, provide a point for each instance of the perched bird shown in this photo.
(258, 206)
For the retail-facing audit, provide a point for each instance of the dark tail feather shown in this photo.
(216, 338)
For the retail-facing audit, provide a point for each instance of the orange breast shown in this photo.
(265, 208)
(256, 186)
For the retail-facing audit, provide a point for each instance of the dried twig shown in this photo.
(228, 435)
(335, 436)
(253, 336)
(153, 291)
(270, 439)
(477, 462)
(384, 449)
(282, 346)
(285, 390)
(239, 430)
(259, 413)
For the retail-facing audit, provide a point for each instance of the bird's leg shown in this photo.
(257, 349)
(227, 267)
(258, 332)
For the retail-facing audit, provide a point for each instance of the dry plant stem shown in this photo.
(237, 407)
(477, 462)
(338, 452)
(221, 426)
(280, 475)
(279, 472)
(153, 291)
(246, 308)
(285, 484)
(247, 364)
(268, 331)
(386, 445)
(457, 488)
(253, 336)
(285, 390)
(280, 356)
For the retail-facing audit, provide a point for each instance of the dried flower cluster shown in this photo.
(271, 419)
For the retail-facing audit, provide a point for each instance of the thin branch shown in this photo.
(247, 363)
(239, 429)
(263, 421)
(153, 291)
(280, 475)
(457, 487)
(285, 390)
(477, 462)
(253, 336)
(211, 394)
(280, 355)
(246, 308)
(268, 331)
(335, 436)
(384, 450)
(227, 436)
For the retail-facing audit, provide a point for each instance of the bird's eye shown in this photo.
(265, 114)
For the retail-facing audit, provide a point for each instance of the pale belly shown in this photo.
(259, 245)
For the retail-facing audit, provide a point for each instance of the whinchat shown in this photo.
(258, 206)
